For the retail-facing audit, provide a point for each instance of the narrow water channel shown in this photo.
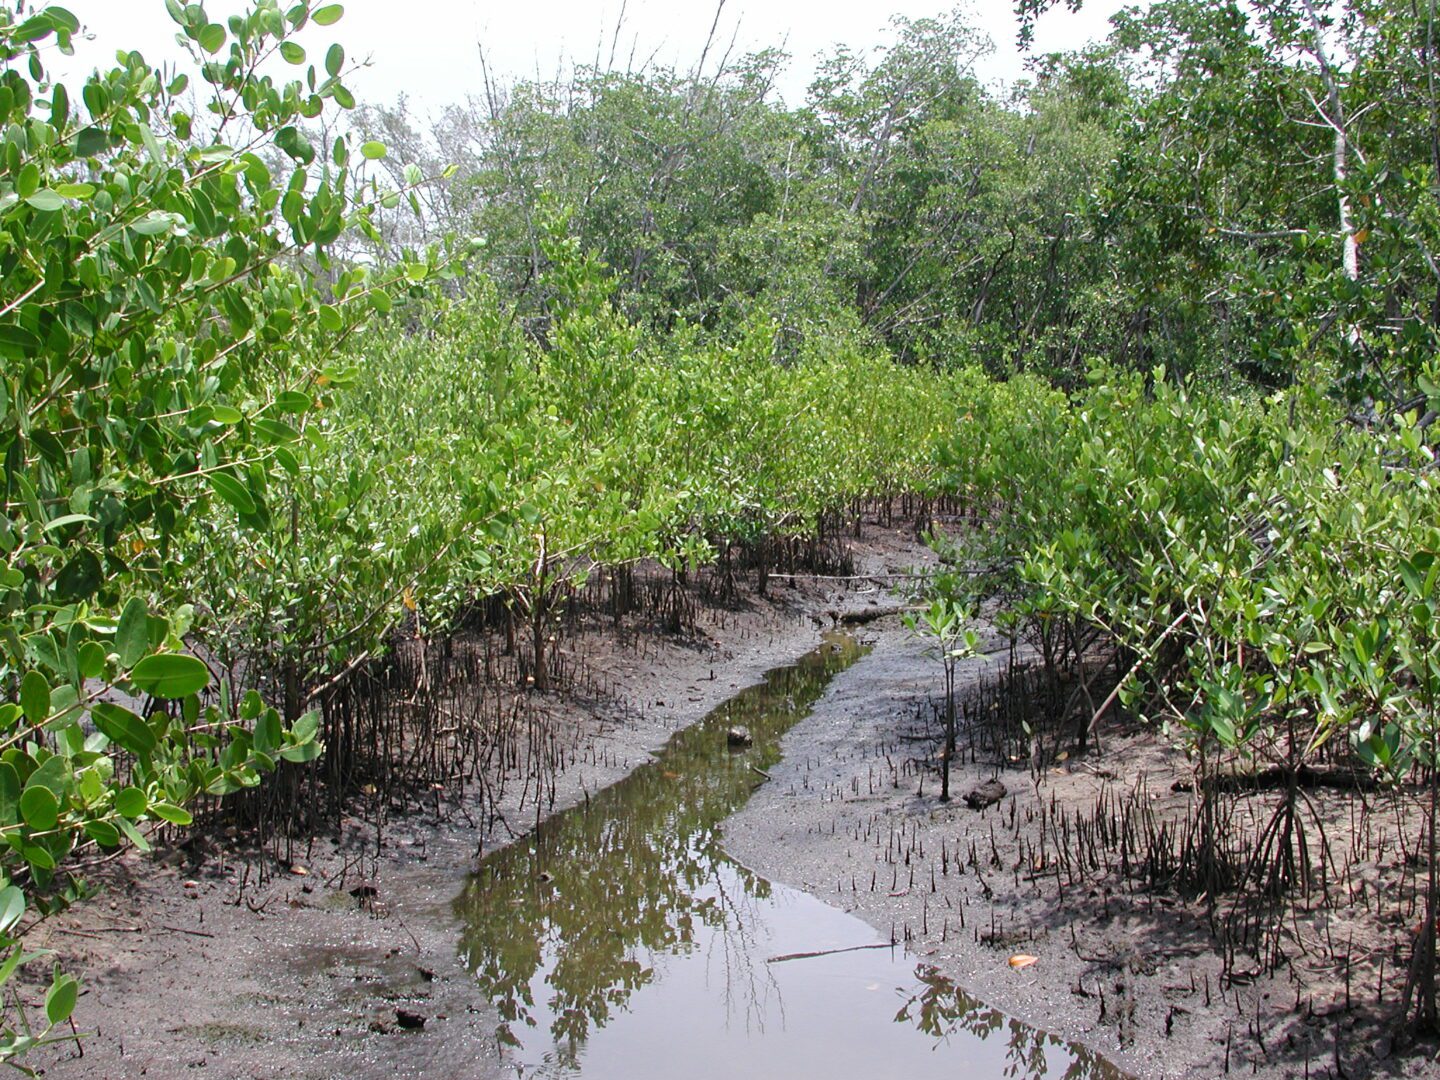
(620, 941)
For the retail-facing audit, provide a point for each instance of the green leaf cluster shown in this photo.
(171, 304)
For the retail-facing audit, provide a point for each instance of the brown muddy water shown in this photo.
(620, 941)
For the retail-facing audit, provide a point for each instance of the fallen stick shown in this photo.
(182, 930)
(875, 578)
(95, 932)
(1340, 779)
(923, 575)
(827, 952)
(1105, 705)
(869, 615)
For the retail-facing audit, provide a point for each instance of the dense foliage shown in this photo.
(1170, 337)
(597, 448)
(166, 344)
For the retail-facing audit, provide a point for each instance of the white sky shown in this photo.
(427, 49)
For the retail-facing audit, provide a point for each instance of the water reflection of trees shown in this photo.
(941, 1009)
(633, 874)
(749, 987)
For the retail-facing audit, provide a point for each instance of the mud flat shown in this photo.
(345, 960)
(363, 953)
(622, 943)
(852, 816)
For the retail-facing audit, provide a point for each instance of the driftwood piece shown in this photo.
(861, 616)
(1276, 777)
(828, 952)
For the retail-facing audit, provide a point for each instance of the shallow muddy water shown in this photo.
(620, 941)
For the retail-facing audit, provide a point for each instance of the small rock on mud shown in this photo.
(739, 737)
(986, 794)
(410, 1021)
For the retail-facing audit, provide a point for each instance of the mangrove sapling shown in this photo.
(535, 600)
(1223, 722)
(1419, 650)
(947, 622)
